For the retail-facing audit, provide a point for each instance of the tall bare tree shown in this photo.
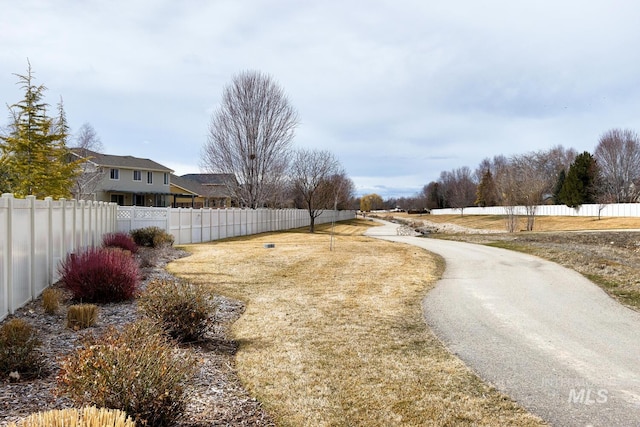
(87, 146)
(344, 191)
(250, 137)
(618, 157)
(313, 177)
(459, 188)
(87, 139)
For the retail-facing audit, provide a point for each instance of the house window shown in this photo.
(137, 175)
(149, 177)
(138, 200)
(115, 174)
(117, 198)
(166, 179)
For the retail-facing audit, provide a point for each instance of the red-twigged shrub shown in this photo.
(100, 275)
(120, 240)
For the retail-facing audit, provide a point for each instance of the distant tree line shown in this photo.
(611, 174)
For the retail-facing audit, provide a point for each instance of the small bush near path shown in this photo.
(135, 370)
(182, 309)
(19, 355)
(152, 237)
(120, 240)
(100, 275)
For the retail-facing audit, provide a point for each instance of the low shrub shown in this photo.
(100, 275)
(81, 316)
(19, 355)
(120, 240)
(86, 417)
(180, 307)
(152, 237)
(51, 300)
(135, 370)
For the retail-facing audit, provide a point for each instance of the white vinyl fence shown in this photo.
(609, 210)
(35, 235)
(203, 225)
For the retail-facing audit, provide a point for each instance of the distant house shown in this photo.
(125, 180)
(203, 190)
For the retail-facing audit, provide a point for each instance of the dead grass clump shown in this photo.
(51, 300)
(85, 417)
(338, 337)
(81, 316)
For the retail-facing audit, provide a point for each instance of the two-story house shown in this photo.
(125, 180)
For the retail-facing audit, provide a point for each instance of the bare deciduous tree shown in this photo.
(344, 190)
(87, 139)
(87, 146)
(313, 177)
(529, 180)
(459, 188)
(618, 157)
(250, 137)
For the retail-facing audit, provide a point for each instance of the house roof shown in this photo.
(209, 184)
(187, 184)
(211, 178)
(124, 162)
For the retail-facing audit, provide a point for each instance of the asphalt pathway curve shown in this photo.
(539, 332)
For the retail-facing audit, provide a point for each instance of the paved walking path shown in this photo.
(539, 332)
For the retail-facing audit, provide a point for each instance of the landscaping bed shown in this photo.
(216, 396)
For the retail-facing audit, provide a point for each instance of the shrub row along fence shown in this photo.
(608, 210)
(203, 225)
(35, 235)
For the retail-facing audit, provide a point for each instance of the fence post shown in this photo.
(49, 233)
(63, 215)
(89, 241)
(74, 226)
(8, 267)
(100, 221)
(190, 225)
(32, 245)
(96, 224)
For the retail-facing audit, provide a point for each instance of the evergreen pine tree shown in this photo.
(34, 155)
(579, 186)
(487, 192)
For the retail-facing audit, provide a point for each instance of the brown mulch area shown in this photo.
(216, 397)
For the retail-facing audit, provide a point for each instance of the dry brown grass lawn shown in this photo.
(542, 223)
(337, 338)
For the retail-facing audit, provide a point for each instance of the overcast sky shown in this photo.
(398, 90)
